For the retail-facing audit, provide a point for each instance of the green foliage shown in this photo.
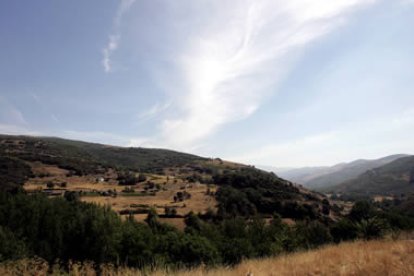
(13, 173)
(181, 196)
(71, 196)
(50, 185)
(85, 158)
(170, 212)
(142, 177)
(399, 212)
(127, 178)
(344, 230)
(312, 234)
(233, 202)
(10, 247)
(371, 228)
(67, 229)
(326, 207)
(248, 191)
(383, 180)
(362, 210)
(369, 222)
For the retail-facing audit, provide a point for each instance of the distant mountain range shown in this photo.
(390, 174)
(394, 178)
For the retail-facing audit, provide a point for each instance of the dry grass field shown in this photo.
(359, 258)
(199, 201)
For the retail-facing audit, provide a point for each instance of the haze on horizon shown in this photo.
(266, 82)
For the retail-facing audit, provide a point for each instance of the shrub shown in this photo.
(11, 248)
(344, 230)
(371, 228)
(50, 185)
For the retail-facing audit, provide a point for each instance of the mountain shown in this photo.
(82, 157)
(301, 175)
(319, 178)
(394, 178)
(133, 180)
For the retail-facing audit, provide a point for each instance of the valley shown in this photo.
(149, 208)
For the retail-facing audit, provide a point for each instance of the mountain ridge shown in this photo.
(394, 178)
(323, 177)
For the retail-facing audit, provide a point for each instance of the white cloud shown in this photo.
(115, 38)
(240, 57)
(139, 142)
(107, 52)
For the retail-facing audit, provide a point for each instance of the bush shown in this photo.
(313, 234)
(371, 228)
(11, 248)
(71, 196)
(142, 177)
(170, 212)
(256, 191)
(362, 210)
(50, 185)
(344, 230)
(127, 178)
(181, 196)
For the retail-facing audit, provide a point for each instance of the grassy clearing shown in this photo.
(358, 258)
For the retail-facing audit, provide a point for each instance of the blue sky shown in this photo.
(265, 82)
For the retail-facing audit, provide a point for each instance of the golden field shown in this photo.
(383, 257)
(198, 203)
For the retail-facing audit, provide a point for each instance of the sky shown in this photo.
(264, 82)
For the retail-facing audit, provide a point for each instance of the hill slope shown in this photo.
(394, 178)
(170, 180)
(83, 157)
(319, 178)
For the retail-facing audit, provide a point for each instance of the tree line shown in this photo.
(66, 229)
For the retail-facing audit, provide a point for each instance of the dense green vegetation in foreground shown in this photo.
(66, 229)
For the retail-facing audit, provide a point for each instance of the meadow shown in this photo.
(377, 257)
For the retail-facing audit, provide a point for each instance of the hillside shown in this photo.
(84, 158)
(134, 180)
(394, 178)
(320, 178)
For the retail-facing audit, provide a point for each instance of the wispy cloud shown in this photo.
(115, 37)
(345, 143)
(156, 109)
(10, 114)
(42, 105)
(239, 58)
